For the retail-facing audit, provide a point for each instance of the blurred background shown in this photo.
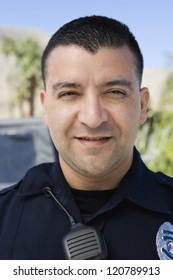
(25, 28)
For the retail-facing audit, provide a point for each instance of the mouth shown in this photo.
(100, 140)
(94, 138)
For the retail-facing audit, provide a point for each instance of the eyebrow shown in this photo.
(118, 82)
(60, 85)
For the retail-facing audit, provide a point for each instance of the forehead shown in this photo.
(72, 61)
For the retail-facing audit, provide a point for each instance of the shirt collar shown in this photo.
(141, 186)
(36, 179)
(49, 175)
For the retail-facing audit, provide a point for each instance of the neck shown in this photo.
(105, 182)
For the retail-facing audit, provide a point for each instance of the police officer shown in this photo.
(99, 200)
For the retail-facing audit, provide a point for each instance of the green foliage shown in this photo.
(154, 142)
(28, 57)
(155, 139)
(7, 46)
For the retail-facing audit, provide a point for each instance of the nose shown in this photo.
(92, 113)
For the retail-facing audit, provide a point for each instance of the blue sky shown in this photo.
(151, 21)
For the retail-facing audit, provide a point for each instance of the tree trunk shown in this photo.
(31, 89)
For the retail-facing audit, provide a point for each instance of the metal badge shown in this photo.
(164, 241)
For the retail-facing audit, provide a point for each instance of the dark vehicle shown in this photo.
(23, 144)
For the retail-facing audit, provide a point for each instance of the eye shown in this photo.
(68, 94)
(116, 92)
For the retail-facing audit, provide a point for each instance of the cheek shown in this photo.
(59, 120)
(127, 119)
(125, 115)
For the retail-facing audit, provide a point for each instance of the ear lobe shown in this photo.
(144, 104)
(43, 103)
(42, 98)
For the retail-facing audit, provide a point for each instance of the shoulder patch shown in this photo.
(164, 179)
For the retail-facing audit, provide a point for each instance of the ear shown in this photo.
(43, 103)
(144, 104)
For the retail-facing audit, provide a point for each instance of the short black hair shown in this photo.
(92, 33)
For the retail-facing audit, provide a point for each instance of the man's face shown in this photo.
(93, 107)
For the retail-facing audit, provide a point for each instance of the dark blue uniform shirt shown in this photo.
(33, 225)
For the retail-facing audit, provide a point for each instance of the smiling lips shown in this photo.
(94, 140)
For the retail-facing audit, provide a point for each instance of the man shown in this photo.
(98, 200)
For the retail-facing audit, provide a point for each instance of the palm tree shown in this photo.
(28, 57)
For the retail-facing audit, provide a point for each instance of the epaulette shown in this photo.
(164, 179)
(8, 189)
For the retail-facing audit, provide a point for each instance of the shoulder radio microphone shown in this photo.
(82, 242)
